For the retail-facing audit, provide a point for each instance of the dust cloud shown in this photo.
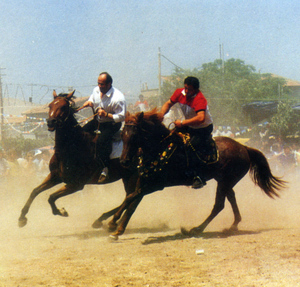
(56, 251)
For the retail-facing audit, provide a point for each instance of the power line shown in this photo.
(172, 62)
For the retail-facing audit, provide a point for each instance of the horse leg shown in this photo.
(48, 182)
(219, 205)
(98, 222)
(65, 190)
(130, 186)
(128, 199)
(237, 216)
(126, 217)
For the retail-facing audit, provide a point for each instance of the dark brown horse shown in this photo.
(73, 162)
(160, 157)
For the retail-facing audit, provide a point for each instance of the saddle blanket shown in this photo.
(117, 146)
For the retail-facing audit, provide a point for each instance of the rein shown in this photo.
(86, 119)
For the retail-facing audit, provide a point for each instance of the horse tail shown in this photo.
(261, 174)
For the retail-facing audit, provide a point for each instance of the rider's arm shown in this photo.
(88, 104)
(166, 107)
(118, 117)
(196, 120)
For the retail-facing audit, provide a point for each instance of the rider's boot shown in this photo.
(104, 175)
(104, 170)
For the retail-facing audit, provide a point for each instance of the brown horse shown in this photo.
(160, 156)
(73, 162)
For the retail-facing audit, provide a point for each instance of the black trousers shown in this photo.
(104, 140)
(200, 138)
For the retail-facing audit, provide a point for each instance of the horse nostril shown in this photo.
(51, 122)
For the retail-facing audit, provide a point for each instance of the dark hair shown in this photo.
(109, 79)
(192, 81)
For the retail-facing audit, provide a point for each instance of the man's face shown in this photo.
(103, 85)
(189, 90)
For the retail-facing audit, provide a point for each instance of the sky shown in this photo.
(60, 43)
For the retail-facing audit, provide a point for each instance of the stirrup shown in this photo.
(198, 182)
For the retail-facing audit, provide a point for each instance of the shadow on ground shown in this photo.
(205, 235)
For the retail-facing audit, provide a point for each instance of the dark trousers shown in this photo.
(104, 140)
(201, 138)
(200, 141)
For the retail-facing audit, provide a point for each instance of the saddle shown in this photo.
(207, 153)
(117, 143)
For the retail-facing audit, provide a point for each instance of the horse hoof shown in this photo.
(63, 212)
(97, 224)
(113, 237)
(194, 232)
(22, 222)
(232, 229)
(112, 227)
(185, 232)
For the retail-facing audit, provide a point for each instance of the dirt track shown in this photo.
(55, 251)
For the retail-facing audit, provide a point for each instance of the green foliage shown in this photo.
(285, 122)
(227, 86)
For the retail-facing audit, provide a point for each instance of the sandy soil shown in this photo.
(56, 251)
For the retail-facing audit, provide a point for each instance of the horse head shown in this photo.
(59, 110)
(139, 133)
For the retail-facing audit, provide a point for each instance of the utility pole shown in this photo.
(221, 48)
(1, 106)
(159, 77)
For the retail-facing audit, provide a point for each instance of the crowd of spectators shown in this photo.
(283, 156)
(34, 163)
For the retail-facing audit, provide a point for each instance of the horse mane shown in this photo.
(153, 116)
(71, 100)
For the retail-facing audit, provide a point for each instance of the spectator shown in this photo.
(287, 159)
(141, 105)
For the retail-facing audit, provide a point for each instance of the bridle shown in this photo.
(58, 121)
(148, 168)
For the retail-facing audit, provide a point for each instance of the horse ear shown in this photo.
(69, 96)
(54, 94)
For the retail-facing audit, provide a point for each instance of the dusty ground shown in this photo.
(55, 251)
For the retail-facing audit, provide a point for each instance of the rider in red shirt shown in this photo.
(197, 122)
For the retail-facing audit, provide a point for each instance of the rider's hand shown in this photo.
(101, 112)
(88, 104)
(178, 124)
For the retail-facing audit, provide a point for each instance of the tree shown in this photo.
(227, 86)
(285, 121)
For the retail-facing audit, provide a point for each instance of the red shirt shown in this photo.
(190, 107)
(197, 102)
